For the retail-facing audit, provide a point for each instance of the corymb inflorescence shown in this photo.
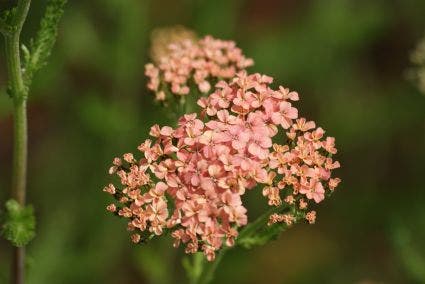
(190, 180)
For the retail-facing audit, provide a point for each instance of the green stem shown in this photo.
(20, 152)
(260, 222)
(209, 271)
(197, 267)
(19, 94)
(21, 15)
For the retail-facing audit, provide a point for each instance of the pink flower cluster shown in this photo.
(191, 179)
(304, 168)
(200, 63)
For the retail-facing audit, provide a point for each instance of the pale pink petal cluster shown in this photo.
(190, 62)
(191, 179)
(303, 167)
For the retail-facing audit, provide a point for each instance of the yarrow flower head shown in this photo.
(190, 65)
(190, 180)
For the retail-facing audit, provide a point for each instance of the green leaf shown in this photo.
(262, 236)
(7, 15)
(40, 48)
(5, 21)
(19, 223)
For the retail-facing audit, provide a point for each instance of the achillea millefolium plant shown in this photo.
(17, 222)
(189, 180)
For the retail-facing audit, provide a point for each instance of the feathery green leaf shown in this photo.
(35, 57)
(18, 223)
(5, 21)
(263, 236)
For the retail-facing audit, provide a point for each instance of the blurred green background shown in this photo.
(347, 58)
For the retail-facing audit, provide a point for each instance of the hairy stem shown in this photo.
(20, 152)
(21, 15)
(17, 88)
(19, 94)
(20, 141)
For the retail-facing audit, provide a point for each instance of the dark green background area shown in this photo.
(347, 59)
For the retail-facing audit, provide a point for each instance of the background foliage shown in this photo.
(346, 58)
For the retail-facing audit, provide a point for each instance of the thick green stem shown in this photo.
(19, 94)
(20, 152)
(20, 139)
